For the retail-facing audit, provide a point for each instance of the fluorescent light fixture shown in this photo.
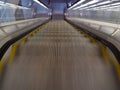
(116, 3)
(40, 4)
(109, 6)
(89, 3)
(104, 2)
(81, 1)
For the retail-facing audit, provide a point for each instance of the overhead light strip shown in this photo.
(89, 3)
(102, 3)
(40, 4)
(92, 6)
(81, 1)
(103, 6)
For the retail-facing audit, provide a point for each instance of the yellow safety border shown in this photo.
(1, 67)
(105, 54)
(15, 46)
(117, 67)
(13, 52)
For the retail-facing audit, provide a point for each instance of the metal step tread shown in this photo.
(59, 64)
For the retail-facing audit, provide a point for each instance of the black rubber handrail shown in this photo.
(111, 46)
(8, 43)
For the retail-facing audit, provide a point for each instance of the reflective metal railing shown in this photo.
(15, 10)
(100, 10)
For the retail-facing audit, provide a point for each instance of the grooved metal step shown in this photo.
(58, 57)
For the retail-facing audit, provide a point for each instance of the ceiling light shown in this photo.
(84, 5)
(40, 4)
(81, 1)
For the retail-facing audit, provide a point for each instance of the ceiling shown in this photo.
(50, 2)
(58, 6)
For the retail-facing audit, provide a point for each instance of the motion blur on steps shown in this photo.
(59, 45)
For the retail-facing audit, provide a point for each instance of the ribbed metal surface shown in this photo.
(58, 57)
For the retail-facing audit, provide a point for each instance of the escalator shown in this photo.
(59, 57)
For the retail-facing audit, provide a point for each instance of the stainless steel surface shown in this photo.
(115, 39)
(8, 37)
(58, 57)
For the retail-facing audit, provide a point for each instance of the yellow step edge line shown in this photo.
(13, 52)
(117, 67)
(10, 57)
(15, 46)
(1, 67)
(93, 40)
(23, 40)
(104, 53)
